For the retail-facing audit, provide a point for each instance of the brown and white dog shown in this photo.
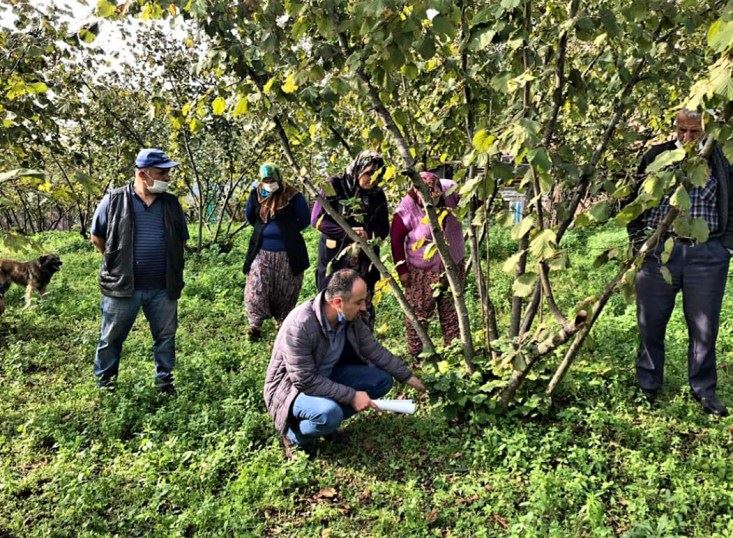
(33, 275)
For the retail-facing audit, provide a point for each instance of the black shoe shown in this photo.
(650, 395)
(108, 388)
(254, 334)
(337, 438)
(711, 405)
(168, 389)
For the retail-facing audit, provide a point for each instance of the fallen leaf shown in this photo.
(326, 493)
(501, 521)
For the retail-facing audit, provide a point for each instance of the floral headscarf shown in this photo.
(366, 159)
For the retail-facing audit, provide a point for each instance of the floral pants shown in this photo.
(272, 289)
(421, 290)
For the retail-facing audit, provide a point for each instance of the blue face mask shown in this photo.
(264, 193)
(340, 316)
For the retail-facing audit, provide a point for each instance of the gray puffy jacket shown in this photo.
(301, 345)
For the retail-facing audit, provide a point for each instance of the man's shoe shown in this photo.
(650, 395)
(107, 388)
(337, 438)
(711, 405)
(254, 334)
(168, 389)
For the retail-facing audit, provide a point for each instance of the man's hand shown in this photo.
(361, 232)
(99, 243)
(416, 384)
(362, 401)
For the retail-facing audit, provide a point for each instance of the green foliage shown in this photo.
(596, 461)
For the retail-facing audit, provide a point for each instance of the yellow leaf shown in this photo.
(105, 9)
(267, 87)
(218, 106)
(241, 107)
(290, 86)
(172, 10)
(194, 125)
(186, 109)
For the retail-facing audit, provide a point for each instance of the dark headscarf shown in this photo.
(366, 159)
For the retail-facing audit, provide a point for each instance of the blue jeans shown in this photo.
(118, 316)
(314, 416)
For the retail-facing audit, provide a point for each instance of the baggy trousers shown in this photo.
(700, 271)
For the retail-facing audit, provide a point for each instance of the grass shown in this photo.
(207, 462)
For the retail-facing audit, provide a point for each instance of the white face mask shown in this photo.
(700, 143)
(158, 187)
(270, 187)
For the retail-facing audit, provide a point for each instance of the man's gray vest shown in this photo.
(116, 275)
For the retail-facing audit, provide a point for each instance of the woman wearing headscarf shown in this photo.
(277, 255)
(356, 196)
(423, 276)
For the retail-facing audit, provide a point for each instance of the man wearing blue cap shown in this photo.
(141, 231)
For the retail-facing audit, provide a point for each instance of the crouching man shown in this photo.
(327, 366)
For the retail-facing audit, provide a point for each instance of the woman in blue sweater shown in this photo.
(277, 255)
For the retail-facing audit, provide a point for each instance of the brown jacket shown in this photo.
(301, 345)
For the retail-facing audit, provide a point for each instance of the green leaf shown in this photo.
(720, 35)
(680, 199)
(524, 284)
(699, 230)
(481, 39)
(539, 158)
(87, 35)
(600, 212)
(667, 252)
(699, 174)
(218, 106)
(523, 227)
(511, 263)
(720, 80)
(483, 141)
(666, 275)
(443, 26)
(666, 158)
(559, 261)
(544, 245)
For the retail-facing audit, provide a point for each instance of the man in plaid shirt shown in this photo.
(699, 270)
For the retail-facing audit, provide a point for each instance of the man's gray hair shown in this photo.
(692, 114)
(341, 284)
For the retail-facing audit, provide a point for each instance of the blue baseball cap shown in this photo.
(154, 158)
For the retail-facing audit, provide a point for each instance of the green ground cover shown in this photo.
(600, 462)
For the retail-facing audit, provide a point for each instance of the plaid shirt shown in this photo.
(703, 204)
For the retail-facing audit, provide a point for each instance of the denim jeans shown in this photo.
(118, 316)
(314, 416)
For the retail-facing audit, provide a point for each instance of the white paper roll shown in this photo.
(396, 406)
